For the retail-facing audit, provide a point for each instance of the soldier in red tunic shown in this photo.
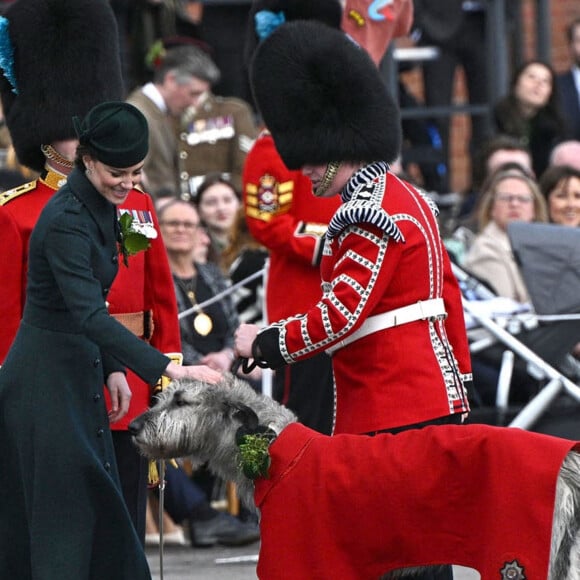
(57, 80)
(390, 314)
(283, 216)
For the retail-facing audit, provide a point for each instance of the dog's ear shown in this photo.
(246, 416)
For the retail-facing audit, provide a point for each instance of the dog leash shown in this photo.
(243, 363)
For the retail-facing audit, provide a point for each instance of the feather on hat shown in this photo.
(266, 15)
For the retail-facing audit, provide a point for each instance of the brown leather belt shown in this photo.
(139, 323)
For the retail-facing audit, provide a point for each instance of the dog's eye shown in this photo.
(178, 399)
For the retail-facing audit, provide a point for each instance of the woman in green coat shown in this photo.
(62, 513)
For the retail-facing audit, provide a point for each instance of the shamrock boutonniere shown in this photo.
(254, 451)
(134, 236)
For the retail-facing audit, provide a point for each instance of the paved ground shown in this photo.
(185, 563)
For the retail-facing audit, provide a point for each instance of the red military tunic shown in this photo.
(146, 286)
(475, 495)
(285, 217)
(383, 252)
(19, 211)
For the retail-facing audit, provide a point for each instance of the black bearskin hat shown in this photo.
(327, 11)
(65, 61)
(322, 98)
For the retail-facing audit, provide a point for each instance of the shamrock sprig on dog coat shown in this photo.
(254, 452)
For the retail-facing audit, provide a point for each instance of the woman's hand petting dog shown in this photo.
(198, 372)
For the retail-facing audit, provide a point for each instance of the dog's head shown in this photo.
(196, 419)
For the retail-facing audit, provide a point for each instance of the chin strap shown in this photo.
(327, 178)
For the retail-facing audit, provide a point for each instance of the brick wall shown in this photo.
(562, 12)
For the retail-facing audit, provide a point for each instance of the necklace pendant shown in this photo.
(202, 324)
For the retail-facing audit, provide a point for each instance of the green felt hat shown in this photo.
(116, 133)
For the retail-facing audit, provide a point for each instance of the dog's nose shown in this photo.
(135, 426)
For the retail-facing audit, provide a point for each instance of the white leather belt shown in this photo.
(422, 310)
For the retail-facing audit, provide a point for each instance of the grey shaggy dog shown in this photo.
(201, 421)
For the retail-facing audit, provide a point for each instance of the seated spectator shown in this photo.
(507, 196)
(206, 334)
(501, 152)
(560, 185)
(566, 153)
(218, 203)
(494, 262)
(530, 112)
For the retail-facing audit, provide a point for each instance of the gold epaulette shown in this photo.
(11, 194)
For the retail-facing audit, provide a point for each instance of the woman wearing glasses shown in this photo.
(206, 334)
(507, 196)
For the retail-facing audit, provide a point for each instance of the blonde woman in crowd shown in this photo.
(507, 196)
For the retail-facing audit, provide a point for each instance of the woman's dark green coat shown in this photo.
(62, 514)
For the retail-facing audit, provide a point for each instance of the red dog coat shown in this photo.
(352, 507)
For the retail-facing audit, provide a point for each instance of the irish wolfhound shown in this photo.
(503, 501)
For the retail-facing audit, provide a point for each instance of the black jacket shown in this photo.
(569, 103)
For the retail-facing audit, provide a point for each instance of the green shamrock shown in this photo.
(132, 241)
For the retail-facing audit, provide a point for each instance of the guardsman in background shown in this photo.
(66, 61)
(284, 216)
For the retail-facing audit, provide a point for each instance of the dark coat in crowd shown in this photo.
(569, 103)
